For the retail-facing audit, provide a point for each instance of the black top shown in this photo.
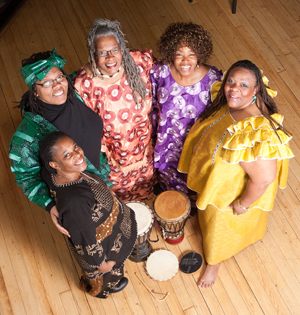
(101, 226)
(80, 123)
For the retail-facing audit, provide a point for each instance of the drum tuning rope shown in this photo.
(160, 300)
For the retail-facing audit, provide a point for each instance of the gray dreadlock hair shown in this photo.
(105, 27)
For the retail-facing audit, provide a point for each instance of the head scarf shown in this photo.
(38, 70)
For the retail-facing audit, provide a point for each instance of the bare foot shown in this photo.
(209, 277)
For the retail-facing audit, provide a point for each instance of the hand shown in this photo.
(103, 148)
(107, 266)
(237, 210)
(54, 216)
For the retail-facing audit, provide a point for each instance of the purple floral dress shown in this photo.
(175, 109)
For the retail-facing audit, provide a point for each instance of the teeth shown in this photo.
(111, 64)
(186, 67)
(80, 162)
(59, 93)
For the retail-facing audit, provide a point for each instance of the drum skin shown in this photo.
(171, 205)
(162, 265)
(145, 219)
(172, 209)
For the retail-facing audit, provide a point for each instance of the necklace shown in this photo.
(71, 179)
(89, 178)
(107, 76)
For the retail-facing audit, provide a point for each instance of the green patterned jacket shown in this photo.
(26, 164)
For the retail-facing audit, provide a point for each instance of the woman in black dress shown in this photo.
(103, 229)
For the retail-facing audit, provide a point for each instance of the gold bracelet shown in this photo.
(242, 207)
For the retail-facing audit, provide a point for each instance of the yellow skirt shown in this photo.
(225, 234)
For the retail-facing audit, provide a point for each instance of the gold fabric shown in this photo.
(211, 156)
(214, 148)
(225, 234)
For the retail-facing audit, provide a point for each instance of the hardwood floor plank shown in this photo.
(293, 8)
(5, 305)
(229, 286)
(263, 274)
(141, 301)
(68, 303)
(13, 300)
(246, 265)
(141, 14)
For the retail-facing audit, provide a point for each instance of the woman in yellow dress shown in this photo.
(235, 156)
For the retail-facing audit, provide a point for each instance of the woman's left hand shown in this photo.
(54, 217)
(237, 210)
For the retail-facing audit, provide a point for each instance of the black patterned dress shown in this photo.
(102, 228)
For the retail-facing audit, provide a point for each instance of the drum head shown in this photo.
(171, 205)
(162, 265)
(190, 262)
(143, 214)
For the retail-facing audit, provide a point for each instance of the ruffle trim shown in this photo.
(254, 137)
(255, 123)
(211, 204)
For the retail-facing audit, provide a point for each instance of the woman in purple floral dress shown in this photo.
(181, 91)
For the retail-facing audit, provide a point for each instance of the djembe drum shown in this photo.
(145, 218)
(162, 265)
(172, 209)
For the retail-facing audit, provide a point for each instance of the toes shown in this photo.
(205, 284)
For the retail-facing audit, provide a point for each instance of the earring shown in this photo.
(198, 66)
(254, 99)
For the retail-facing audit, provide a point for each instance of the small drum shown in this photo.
(162, 265)
(172, 209)
(145, 218)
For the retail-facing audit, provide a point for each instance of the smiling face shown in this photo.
(110, 63)
(185, 61)
(68, 157)
(56, 94)
(240, 88)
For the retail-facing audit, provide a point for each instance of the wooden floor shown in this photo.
(37, 272)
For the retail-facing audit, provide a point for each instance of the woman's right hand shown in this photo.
(237, 210)
(54, 216)
(107, 266)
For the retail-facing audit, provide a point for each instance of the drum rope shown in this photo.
(160, 300)
(156, 228)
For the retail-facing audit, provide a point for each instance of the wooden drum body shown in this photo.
(172, 209)
(145, 219)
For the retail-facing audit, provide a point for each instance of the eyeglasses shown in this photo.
(105, 52)
(50, 83)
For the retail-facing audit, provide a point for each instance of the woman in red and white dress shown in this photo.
(115, 83)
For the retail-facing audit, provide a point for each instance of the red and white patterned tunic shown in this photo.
(127, 129)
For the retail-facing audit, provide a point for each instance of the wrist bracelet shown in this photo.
(242, 207)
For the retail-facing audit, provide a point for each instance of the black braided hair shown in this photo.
(264, 102)
(46, 150)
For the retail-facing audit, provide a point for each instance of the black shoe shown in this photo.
(121, 285)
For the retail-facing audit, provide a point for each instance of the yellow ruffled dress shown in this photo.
(211, 156)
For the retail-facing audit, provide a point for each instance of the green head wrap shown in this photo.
(38, 70)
